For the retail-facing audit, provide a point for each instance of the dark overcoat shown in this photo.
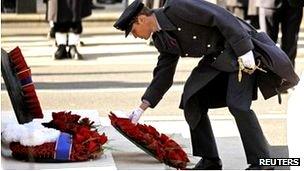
(296, 3)
(68, 10)
(273, 4)
(195, 28)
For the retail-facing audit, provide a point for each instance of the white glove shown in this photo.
(135, 115)
(248, 60)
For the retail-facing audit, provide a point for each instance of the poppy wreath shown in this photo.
(65, 138)
(23, 73)
(160, 146)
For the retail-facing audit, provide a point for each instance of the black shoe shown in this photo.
(61, 52)
(74, 54)
(206, 164)
(258, 167)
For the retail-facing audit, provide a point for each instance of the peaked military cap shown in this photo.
(124, 22)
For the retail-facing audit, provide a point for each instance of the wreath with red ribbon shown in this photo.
(78, 141)
(146, 137)
(24, 75)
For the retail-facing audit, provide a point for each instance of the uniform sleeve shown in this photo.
(162, 80)
(211, 15)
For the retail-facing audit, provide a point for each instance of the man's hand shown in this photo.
(248, 60)
(135, 115)
(246, 64)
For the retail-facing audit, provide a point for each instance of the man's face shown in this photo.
(141, 28)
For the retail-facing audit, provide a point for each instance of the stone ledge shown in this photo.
(101, 17)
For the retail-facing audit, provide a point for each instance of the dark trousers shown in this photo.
(238, 100)
(241, 12)
(290, 19)
(65, 27)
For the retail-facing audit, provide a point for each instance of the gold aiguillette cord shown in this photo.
(248, 70)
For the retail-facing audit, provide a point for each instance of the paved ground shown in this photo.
(121, 154)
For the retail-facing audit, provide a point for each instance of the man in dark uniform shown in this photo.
(238, 7)
(225, 76)
(287, 12)
(244, 9)
(66, 16)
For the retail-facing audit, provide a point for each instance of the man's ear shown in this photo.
(141, 19)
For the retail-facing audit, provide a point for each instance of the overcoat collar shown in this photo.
(163, 21)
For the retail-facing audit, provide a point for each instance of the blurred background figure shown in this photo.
(65, 18)
(253, 13)
(8, 6)
(245, 9)
(51, 33)
(289, 14)
(107, 2)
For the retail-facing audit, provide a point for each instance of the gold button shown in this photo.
(194, 37)
(179, 29)
(186, 54)
(222, 51)
(208, 45)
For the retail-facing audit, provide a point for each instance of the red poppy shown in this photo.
(103, 139)
(78, 138)
(92, 146)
